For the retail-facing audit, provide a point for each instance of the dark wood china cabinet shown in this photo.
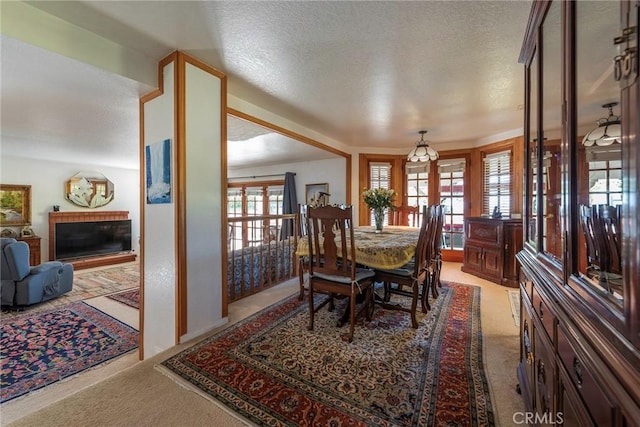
(579, 277)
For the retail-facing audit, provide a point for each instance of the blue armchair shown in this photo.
(22, 285)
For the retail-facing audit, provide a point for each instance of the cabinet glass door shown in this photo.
(552, 101)
(532, 151)
(599, 150)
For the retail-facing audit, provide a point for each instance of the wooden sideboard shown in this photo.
(490, 249)
(34, 248)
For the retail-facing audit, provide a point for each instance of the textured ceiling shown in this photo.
(366, 74)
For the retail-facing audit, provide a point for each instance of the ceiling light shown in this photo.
(422, 152)
(608, 130)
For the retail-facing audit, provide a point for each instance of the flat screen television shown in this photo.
(85, 239)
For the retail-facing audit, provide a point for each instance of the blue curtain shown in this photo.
(289, 204)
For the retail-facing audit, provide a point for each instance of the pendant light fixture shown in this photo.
(608, 131)
(422, 152)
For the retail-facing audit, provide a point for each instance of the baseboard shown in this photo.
(195, 334)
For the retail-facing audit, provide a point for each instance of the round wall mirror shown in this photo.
(89, 190)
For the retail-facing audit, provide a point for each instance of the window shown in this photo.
(379, 177)
(250, 199)
(497, 183)
(452, 200)
(418, 185)
(234, 202)
(605, 175)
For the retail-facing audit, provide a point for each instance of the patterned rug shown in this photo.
(32, 356)
(130, 297)
(271, 371)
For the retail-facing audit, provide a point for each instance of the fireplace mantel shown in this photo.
(87, 216)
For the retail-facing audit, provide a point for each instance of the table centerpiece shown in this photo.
(379, 200)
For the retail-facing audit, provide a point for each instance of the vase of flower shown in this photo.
(378, 218)
(379, 200)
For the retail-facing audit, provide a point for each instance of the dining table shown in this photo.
(391, 248)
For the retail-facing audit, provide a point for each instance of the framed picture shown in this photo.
(15, 204)
(158, 172)
(317, 194)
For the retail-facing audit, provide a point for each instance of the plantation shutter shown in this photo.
(497, 182)
(379, 177)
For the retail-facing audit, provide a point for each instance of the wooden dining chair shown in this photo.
(436, 214)
(608, 216)
(605, 231)
(332, 266)
(405, 215)
(413, 275)
(591, 246)
(303, 261)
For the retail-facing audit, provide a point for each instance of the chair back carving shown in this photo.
(437, 215)
(405, 215)
(423, 248)
(436, 218)
(330, 228)
(608, 219)
(586, 221)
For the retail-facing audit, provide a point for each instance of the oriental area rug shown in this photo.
(130, 297)
(89, 284)
(270, 370)
(38, 349)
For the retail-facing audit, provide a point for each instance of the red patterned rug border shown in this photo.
(457, 326)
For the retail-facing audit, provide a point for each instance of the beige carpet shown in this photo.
(141, 395)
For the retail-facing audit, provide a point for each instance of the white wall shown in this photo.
(202, 240)
(203, 142)
(160, 233)
(331, 171)
(47, 180)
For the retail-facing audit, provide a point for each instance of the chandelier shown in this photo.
(422, 152)
(608, 130)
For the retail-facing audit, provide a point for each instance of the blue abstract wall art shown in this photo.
(158, 164)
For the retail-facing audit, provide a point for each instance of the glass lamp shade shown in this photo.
(422, 153)
(608, 131)
(605, 134)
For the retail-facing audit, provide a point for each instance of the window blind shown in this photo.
(254, 191)
(275, 190)
(497, 182)
(606, 153)
(418, 167)
(451, 165)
